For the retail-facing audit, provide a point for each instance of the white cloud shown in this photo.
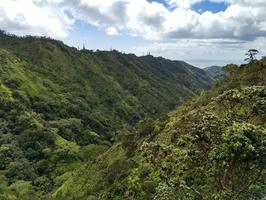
(204, 52)
(243, 19)
(24, 16)
(112, 31)
(188, 34)
(183, 3)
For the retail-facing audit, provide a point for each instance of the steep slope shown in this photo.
(122, 88)
(62, 108)
(213, 147)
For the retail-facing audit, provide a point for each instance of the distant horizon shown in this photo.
(200, 32)
(79, 47)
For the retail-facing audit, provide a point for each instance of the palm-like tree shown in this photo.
(251, 55)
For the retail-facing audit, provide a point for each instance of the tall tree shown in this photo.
(251, 55)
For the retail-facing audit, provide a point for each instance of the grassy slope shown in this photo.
(109, 87)
(60, 108)
(210, 148)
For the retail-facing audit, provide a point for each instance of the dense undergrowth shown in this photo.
(61, 108)
(82, 125)
(212, 147)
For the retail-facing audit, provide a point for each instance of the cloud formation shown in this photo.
(202, 38)
(204, 52)
(243, 19)
(24, 16)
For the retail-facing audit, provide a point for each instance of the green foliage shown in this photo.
(61, 107)
(24, 190)
(240, 157)
(80, 125)
(210, 148)
(164, 192)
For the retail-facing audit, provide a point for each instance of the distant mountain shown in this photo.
(215, 72)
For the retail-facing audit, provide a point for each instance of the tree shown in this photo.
(240, 158)
(2, 32)
(251, 55)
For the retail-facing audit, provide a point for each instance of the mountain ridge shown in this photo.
(78, 124)
(62, 107)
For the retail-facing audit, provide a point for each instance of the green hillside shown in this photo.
(63, 108)
(104, 89)
(212, 147)
(83, 125)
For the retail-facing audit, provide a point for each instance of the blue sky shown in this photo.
(210, 6)
(96, 38)
(201, 32)
(201, 6)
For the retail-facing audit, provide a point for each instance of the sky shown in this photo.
(200, 32)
